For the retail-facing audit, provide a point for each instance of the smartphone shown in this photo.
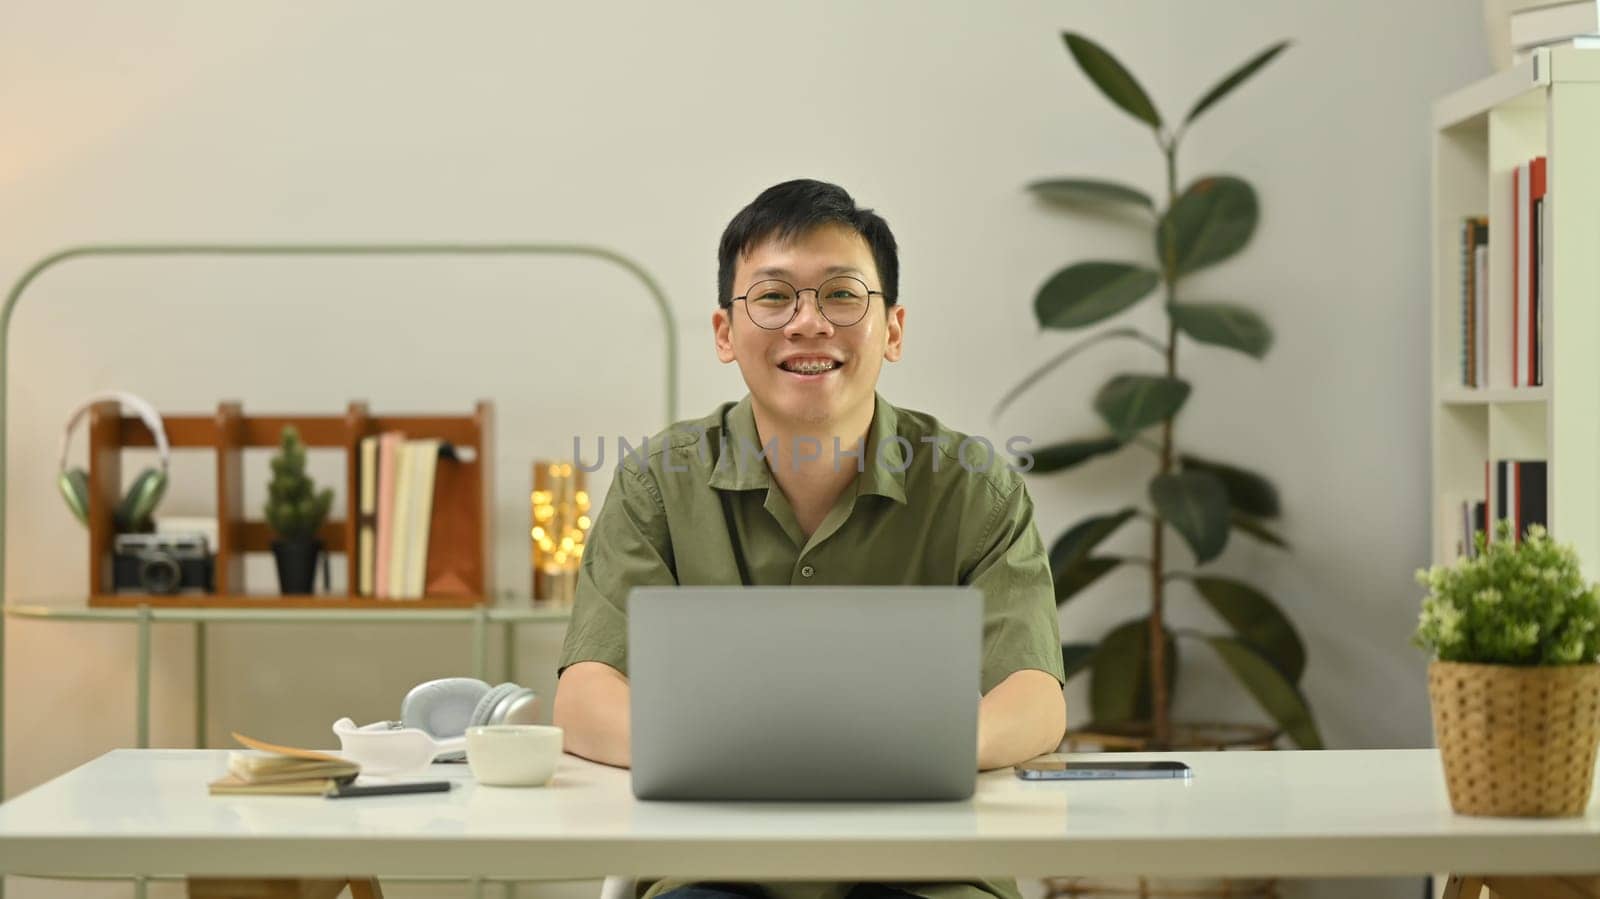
(1059, 770)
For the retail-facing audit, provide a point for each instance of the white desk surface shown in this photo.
(1370, 812)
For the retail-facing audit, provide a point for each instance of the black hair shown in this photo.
(795, 208)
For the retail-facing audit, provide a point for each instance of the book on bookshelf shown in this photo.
(1533, 344)
(367, 524)
(418, 496)
(1518, 493)
(421, 522)
(388, 461)
(1474, 300)
(1474, 518)
(1528, 186)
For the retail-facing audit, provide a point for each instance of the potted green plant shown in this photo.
(1515, 637)
(1133, 669)
(295, 511)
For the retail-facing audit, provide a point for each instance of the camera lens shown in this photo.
(160, 573)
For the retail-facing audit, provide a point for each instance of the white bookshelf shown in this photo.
(1549, 106)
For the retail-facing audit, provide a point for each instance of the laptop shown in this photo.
(804, 693)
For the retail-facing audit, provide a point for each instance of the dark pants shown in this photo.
(754, 891)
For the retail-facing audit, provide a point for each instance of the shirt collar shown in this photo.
(884, 476)
(738, 433)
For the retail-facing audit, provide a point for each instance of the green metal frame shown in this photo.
(145, 616)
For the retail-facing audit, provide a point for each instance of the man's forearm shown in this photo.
(591, 706)
(1024, 716)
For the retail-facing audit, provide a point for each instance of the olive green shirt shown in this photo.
(917, 513)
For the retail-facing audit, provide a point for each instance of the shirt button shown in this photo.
(807, 571)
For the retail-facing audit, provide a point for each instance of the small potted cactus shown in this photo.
(295, 511)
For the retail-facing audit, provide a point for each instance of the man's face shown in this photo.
(765, 355)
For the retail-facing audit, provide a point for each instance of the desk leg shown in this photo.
(200, 684)
(138, 888)
(142, 700)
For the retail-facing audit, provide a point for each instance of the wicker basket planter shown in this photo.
(1516, 741)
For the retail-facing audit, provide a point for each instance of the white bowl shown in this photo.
(513, 755)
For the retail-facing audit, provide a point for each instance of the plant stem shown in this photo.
(1160, 700)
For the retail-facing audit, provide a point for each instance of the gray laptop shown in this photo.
(804, 692)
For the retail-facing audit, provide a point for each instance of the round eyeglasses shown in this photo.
(842, 300)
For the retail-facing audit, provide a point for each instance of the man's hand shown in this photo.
(1024, 716)
(591, 706)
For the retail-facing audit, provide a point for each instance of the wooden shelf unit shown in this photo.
(1548, 105)
(467, 507)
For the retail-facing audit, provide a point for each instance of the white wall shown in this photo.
(645, 126)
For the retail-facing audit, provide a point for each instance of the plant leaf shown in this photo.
(1090, 192)
(1212, 220)
(1062, 456)
(1119, 679)
(1083, 537)
(1076, 657)
(1131, 403)
(1196, 505)
(1066, 355)
(1225, 325)
(1256, 620)
(1271, 689)
(1238, 77)
(1073, 579)
(1087, 292)
(1257, 530)
(1248, 492)
(1116, 82)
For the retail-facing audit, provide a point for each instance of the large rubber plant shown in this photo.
(1133, 669)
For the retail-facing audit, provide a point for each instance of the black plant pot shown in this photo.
(297, 564)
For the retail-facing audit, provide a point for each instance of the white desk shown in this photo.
(1244, 813)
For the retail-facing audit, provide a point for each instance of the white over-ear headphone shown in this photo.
(137, 505)
(433, 722)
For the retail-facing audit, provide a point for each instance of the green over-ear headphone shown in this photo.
(133, 512)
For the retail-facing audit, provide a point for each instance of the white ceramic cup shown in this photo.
(513, 755)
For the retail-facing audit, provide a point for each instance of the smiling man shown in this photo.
(814, 479)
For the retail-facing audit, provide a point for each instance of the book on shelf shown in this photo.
(1552, 23)
(270, 769)
(1473, 517)
(1474, 300)
(388, 456)
(1529, 183)
(1517, 490)
(367, 524)
(1533, 349)
(422, 541)
(422, 468)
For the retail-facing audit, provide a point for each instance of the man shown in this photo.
(850, 490)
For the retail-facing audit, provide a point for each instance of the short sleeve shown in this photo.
(628, 546)
(1020, 627)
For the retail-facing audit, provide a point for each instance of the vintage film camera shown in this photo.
(161, 563)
